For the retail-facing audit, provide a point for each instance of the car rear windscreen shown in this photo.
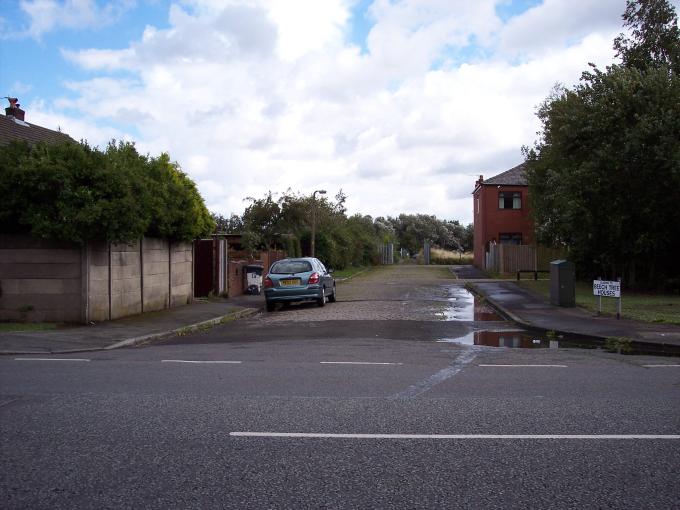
(291, 266)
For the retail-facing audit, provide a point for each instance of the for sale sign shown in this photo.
(607, 289)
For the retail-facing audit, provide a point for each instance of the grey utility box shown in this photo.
(562, 283)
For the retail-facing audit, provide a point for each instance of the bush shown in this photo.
(73, 192)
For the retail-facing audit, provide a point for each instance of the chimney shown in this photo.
(480, 181)
(14, 110)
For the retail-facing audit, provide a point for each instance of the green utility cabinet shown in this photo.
(562, 283)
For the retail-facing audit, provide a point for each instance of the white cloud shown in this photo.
(307, 26)
(48, 15)
(555, 24)
(251, 96)
(79, 128)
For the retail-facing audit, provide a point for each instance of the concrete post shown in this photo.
(141, 271)
(110, 280)
(85, 283)
(170, 274)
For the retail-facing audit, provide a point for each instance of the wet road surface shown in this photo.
(389, 404)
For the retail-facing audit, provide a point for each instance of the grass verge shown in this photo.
(9, 327)
(349, 272)
(663, 308)
(439, 256)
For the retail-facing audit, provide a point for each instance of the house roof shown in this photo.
(12, 129)
(513, 177)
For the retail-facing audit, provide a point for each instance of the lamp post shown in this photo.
(320, 192)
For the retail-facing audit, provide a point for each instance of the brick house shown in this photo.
(501, 212)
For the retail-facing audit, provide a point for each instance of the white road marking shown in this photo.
(51, 359)
(659, 366)
(213, 362)
(356, 363)
(537, 366)
(314, 435)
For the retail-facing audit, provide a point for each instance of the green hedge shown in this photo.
(73, 192)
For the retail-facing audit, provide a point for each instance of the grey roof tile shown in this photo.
(513, 177)
(11, 130)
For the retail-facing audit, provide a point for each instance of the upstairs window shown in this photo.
(509, 200)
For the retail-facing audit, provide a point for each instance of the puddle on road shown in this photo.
(512, 339)
(465, 306)
(522, 339)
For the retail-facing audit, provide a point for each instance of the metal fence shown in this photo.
(386, 253)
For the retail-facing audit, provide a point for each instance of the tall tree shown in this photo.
(605, 175)
(262, 218)
(231, 225)
(654, 38)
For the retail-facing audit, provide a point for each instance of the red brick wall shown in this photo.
(490, 221)
(237, 269)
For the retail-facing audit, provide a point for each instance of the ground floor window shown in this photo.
(512, 238)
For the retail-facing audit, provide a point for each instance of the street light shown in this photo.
(320, 192)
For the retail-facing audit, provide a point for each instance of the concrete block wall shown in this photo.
(156, 261)
(126, 280)
(182, 273)
(40, 280)
(61, 282)
(99, 274)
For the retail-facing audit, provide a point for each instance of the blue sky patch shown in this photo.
(34, 69)
(511, 8)
(361, 24)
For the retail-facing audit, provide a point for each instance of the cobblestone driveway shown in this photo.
(402, 292)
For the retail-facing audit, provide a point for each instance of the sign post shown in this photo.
(607, 289)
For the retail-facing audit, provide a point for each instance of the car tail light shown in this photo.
(314, 278)
(268, 283)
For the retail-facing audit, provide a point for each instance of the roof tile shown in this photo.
(11, 130)
(513, 177)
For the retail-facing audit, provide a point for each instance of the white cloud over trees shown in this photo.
(255, 95)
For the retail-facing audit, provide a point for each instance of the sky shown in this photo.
(402, 104)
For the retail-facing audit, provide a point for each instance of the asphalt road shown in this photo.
(205, 420)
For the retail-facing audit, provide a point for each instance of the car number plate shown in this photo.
(291, 282)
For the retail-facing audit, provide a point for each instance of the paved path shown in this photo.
(533, 310)
(130, 330)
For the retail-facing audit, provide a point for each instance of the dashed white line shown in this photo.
(525, 366)
(208, 362)
(660, 366)
(51, 359)
(357, 363)
(314, 435)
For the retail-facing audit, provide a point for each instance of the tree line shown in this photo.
(77, 193)
(285, 221)
(604, 176)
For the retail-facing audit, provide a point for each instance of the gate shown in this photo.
(203, 267)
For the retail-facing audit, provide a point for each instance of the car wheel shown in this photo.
(322, 300)
(270, 306)
(331, 298)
